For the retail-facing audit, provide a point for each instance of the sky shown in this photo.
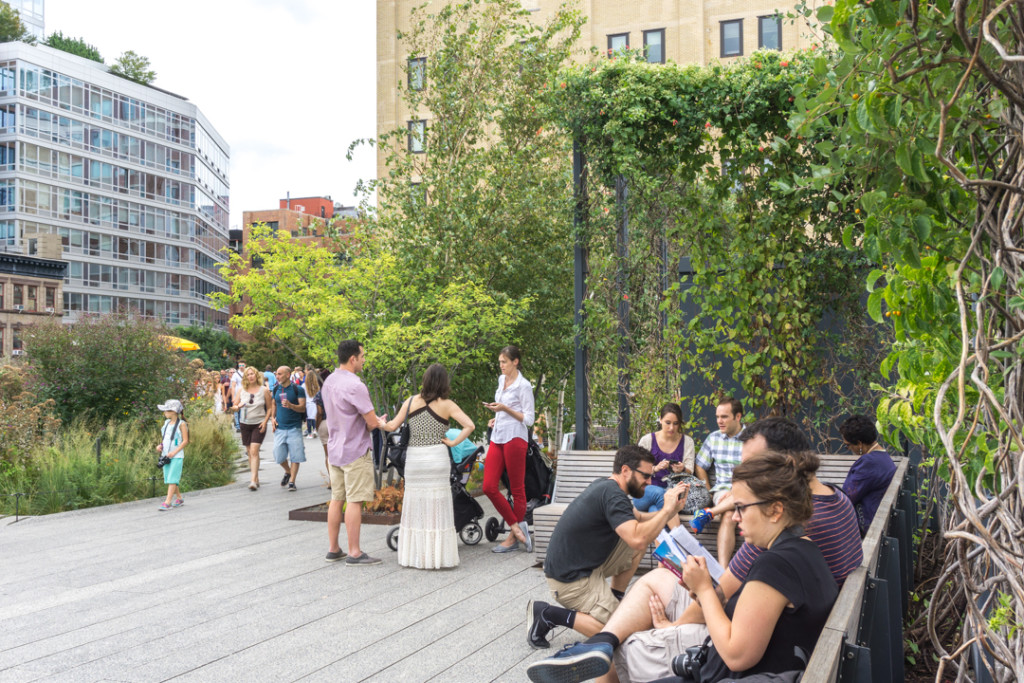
(289, 84)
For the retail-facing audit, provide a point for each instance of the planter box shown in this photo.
(318, 513)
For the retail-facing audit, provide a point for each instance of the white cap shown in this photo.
(174, 404)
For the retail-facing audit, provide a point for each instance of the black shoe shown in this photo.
(287, 478)
(335, 556)
(537, 627)
(291, 487)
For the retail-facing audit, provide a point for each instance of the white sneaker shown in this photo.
(253, 486)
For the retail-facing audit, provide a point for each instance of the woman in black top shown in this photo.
(788, 594)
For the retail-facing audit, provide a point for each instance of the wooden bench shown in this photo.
(576, 470)
(863, 638)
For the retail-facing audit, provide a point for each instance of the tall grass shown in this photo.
(66, 476)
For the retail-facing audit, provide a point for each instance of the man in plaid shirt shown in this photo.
(721, 450)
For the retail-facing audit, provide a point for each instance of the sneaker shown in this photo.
(362, 559)
(178, 503)
(537, 626)
(253, 486)
(578, 662)
(335, 556)
(287, 478)
(529, 539)
(701, 520)
(164, 507)
(291, 487)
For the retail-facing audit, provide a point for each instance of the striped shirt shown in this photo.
(833, 527)
(723, 452)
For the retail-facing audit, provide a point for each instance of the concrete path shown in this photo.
(227, 588)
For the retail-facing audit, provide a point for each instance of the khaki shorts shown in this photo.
(353, 482)
(592, 594)
(647, 655)
(322, 432)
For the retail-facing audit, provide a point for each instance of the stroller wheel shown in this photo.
(471, 533)
(493, 529)
(393, 537)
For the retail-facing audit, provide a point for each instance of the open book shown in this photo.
(673, 549)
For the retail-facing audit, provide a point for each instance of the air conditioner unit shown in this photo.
(19, 307)
(49, 309)
(17, 352)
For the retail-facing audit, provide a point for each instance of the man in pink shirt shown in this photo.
(350, 419)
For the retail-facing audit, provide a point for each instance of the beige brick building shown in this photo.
(682, 31)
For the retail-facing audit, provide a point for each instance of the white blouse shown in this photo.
(518, 397)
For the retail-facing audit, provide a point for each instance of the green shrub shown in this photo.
(25, 422)
(66, 476)
(102, 368)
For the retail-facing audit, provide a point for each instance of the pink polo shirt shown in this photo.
(346, 400)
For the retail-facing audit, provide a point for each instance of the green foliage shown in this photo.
(101, 368)
(489, 203)
(11, 27)
(217, 349)
(304, 299)
(76, 46)
(134, 67)
(66, 476)
(25, 423)
(709, 162)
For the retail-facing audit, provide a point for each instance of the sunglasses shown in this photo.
(646, 475)
(251, 398)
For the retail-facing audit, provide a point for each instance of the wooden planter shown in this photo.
(318, 513)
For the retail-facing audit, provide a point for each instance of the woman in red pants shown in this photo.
(513, 417)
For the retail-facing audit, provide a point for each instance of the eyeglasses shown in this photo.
(740, 507)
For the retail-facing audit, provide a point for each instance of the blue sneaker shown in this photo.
(701, 520)
(578, 662)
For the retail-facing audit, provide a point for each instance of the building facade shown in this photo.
(30, 290)
(683, 31)
(132, 179)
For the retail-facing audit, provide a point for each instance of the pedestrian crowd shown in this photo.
(759, 618)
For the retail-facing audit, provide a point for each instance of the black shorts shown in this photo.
(251, 434)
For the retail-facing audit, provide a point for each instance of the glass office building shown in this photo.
(133, 179)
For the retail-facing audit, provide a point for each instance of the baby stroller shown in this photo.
(467, 511)
(539, 484)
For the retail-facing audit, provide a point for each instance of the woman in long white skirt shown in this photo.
(427, 538)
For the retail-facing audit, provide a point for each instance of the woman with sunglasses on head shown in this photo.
(255, 406)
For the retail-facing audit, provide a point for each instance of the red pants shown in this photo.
(509, 456)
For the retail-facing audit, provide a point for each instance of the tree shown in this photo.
(489, 204)
(307, 299)
(133, 67)
(217, 349)
(11, 27)
(923, 104)
(76, 46)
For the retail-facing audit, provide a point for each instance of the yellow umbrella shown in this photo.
(180, 344)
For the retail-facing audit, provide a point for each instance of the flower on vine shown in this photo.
(707, 125)
(784, 64)
(674, 122)
(625, 297)
(563, 85)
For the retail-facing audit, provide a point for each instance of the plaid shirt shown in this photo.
(722, 452)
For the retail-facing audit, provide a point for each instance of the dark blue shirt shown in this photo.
(866, 483)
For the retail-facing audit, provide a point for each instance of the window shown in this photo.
(18, 344)
(617, 42)
(51, 297)
(417, 136)
(31, 298)
(654, 46)
(732, 37)
(769, 32)
(19, 295)
(417, 73)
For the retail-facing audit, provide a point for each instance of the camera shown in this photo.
(689, 664)
(163, 460)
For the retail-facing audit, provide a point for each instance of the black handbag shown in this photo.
(398, 441)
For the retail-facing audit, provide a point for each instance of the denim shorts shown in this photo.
(288, 445)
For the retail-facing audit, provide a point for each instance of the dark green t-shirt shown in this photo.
(286, 417)
(585, 534)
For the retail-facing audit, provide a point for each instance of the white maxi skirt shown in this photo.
(427, 538)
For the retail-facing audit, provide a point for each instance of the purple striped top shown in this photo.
(833, 527)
